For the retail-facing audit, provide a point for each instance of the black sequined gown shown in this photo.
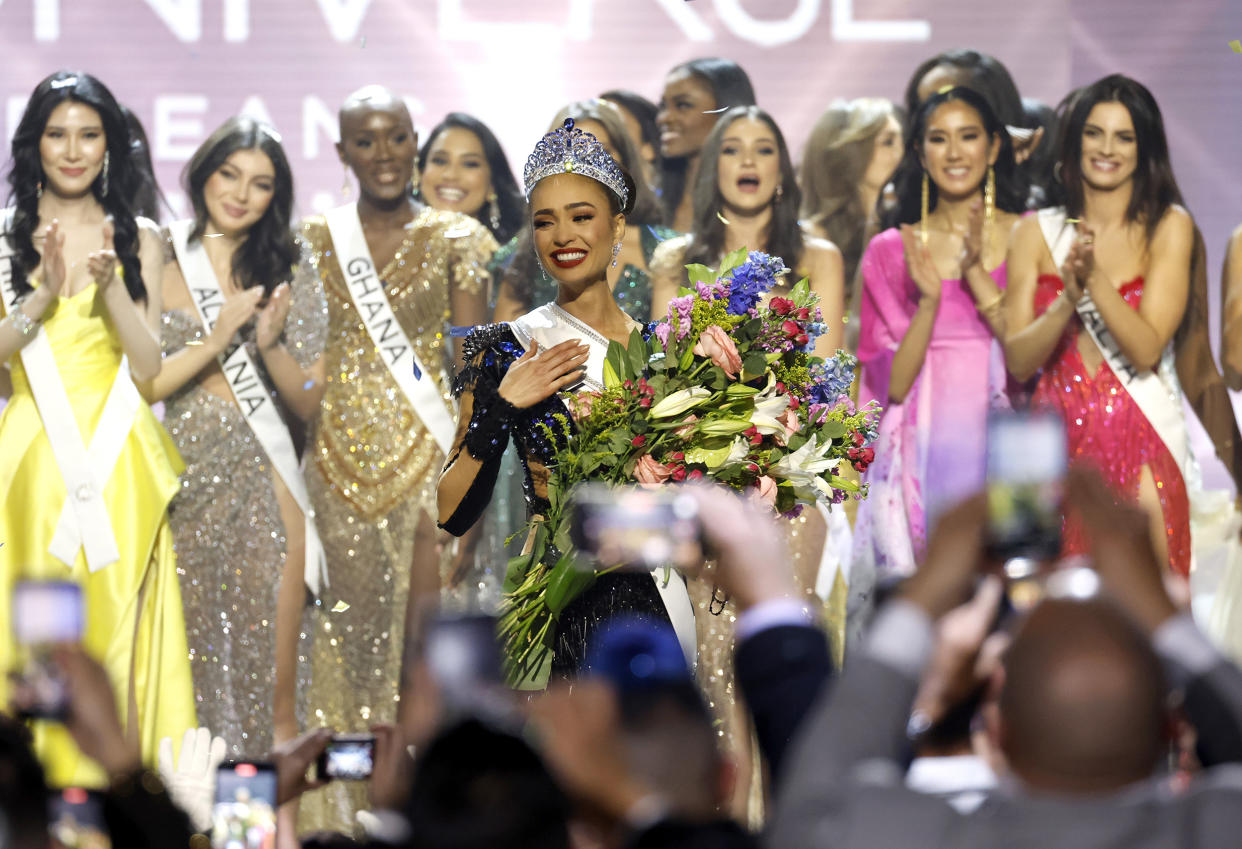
(489, 351)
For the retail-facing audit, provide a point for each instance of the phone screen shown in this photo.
(348, 757)
(76, 819)
(1026, 461)
(244, 816)
(45, 613)
(636, 527)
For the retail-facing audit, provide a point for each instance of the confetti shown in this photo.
(1236, 46)
(716, 111)
(340, 607)
(458, 232)
(723, 220)
(1073, 220)
(310, 384)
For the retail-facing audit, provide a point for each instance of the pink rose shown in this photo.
(715, 344)
(687, 429)
(581, 403)
(650, 472)
(789, 419)
(765, 489)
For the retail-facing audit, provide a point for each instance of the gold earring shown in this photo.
(415, 177)
(493, 211)
(924, 208)
(989, 204)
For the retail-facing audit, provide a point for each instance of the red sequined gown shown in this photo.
(1107, 430)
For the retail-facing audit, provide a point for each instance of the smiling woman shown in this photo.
(522, 376)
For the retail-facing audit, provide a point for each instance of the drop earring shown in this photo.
(493, 211)
(415, 177)
(989, 204)
(780, 190)
(616, 250)
(39, 190)
(103, 188)
(923, 208)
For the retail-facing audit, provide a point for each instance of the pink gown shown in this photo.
(930, 451)
(1107, 430)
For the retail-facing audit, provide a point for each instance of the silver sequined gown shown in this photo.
(228, 534)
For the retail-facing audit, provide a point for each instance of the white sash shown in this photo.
(251, 394)
(550, 325)
(1157, 392)
(394, 347)
(84, 523)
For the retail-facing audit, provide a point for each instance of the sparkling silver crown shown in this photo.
(568, 150)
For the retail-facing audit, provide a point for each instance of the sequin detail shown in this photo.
(1107, 430)
(228, 534)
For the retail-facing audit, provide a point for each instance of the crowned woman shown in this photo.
(520, 376)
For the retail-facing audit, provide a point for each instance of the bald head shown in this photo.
(372, 98)
(1082, 707)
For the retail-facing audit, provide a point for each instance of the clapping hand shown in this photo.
(272, 318)
(235, 312)
(1076, 269)
(538, 375)
(192, 781)
(920, 264)
(55, 277)
(102, 263)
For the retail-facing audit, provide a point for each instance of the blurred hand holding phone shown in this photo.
(244, 814)
(636, 527)
(347, 757)
(1026, 465)
(45, 614)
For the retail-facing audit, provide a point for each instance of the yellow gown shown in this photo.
(134, 624)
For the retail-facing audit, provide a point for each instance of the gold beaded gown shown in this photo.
(228, 533)
(371, 473)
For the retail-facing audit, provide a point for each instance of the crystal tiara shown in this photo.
(568, 150)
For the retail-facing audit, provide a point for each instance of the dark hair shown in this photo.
(476, 787)
(908, 180)
(643, 110)
(26, 176)
(978, 71)
(270, 251)
(23, 791)
(1155, 187)
(784, 238)
(509, 200)
(1041, 164)
(148, 199)
(730, 87)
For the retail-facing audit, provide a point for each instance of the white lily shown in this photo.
(767, 410)
(803, 466)
(679, 402)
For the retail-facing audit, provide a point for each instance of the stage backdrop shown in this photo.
(186, 65)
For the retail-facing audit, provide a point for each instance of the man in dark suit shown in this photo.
(1080, 717)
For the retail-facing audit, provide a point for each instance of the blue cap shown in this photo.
(634, 652)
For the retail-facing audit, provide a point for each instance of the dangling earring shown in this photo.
(415, 177)
(345, 187)
(924, 208)
(989, 204)
(616, 250)
(39, 190)
(493, 212)
(780, 190)
(103, 188)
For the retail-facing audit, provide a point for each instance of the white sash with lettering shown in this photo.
(550, 325)
(394, 347)
(84, 523)
(1157, 392)
(251, 394)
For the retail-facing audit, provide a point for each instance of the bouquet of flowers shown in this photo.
(723, 388)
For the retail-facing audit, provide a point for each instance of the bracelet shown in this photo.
(22, 323)
(992, 303)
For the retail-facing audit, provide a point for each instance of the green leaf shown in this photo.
(637, 353)
(611, 378)
(619, 359)
(731, 261)
(753, 365)
(566, 582)
(710, 457)
(741, 390)
(687, 360)
(832, 430)
(698, 273)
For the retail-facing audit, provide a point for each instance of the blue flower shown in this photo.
(752, 279)
(832, 378)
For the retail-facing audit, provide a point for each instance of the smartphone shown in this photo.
(348, 757)
(45, 613)
(636, 527)
(464, 660)
(244, 815)
(1026, 462)
(76, 819)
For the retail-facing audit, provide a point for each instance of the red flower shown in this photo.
(644, 402)
(677, 456)
(753, 434)
(858, 438)
(781, 306)
(802, 339)
(638, 441)
(752, 467)
(679, 473)
(868, 455)
(791, 328)
(696, 474)
(804, 314)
